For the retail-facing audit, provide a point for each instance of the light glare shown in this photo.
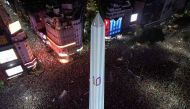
(64, 61)
(63, 46)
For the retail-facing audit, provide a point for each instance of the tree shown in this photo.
(92, 6)
(91, 9)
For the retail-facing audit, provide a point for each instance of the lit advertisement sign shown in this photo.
(7, 56)
(14, 71)
(134, 17)
(107, 27)
(120, 21)
(115, 26)
(14, 27)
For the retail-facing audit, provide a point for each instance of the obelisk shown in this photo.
(97, 64)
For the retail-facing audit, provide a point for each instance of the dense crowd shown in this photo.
(138, 76)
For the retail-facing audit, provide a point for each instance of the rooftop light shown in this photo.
(14, 27)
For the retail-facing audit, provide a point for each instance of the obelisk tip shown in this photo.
(98, 20)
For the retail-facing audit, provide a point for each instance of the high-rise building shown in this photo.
(155, 11)
(115, 14)
(123, 15)
(64, 28)
(9, 58)
(20, 42)
(60, 26)
(15, 53)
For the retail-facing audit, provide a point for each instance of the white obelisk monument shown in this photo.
(97, 64)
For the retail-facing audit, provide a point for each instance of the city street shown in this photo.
(138, 76)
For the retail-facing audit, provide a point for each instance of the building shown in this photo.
(9, 58)
(138, 9)
(15, 53)
(152, 12)
(116, 16)
(121, 16)
(20, 42)
(63, 28)
(37, 21)
(60, 26)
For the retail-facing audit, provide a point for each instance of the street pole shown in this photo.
(97, 64)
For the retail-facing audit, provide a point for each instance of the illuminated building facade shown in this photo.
(64, 29)
(15, 53)
(38, 24)
(9, 57)
(114, 14)
(121, 16)
(21, 44)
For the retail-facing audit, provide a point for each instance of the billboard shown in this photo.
(7, 56)
(14, 27)
(107, 27)
(112, 26)
(115, 26)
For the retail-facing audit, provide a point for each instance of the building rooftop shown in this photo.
(62, 16)
(65, 9)
(114, 8)
(4, 38)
